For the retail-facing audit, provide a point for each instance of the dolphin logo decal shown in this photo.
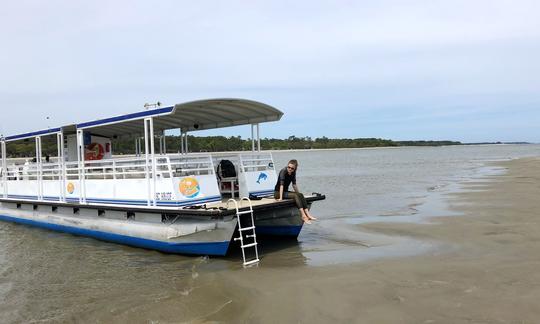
(262, 176)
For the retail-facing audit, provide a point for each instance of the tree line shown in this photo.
(233, 143)
(236, 143)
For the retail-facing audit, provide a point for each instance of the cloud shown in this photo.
(398, 59)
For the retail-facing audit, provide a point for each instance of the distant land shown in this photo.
(485, 143)
(236, 143)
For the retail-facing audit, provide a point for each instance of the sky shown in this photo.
(460, 70)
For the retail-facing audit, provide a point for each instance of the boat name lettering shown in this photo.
(164, 196)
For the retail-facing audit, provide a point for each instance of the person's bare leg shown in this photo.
(305, 218)
(308, 214)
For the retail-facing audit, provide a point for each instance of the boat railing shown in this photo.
(26, 171)
(71, 170)
(83, 175)
(253, 162)
(121, 168)
(184, 165)
(166, 166)
(130, 168)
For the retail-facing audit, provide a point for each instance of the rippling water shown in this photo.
(53, 277)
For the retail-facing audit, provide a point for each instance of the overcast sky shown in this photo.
(459, 70)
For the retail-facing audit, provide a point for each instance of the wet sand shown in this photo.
(485, 268)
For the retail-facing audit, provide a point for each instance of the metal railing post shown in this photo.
(4, 169)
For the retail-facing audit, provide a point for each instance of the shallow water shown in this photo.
(54, 277)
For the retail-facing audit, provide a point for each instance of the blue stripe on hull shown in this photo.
(126, 202)
(279, 230)
(206, 248)
(262, 193)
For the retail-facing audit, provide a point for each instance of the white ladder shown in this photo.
(247, 229)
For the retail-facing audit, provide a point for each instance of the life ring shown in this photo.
(94, 151)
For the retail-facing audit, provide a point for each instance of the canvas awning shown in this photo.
(190, 116)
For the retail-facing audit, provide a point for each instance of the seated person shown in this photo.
(287, 176)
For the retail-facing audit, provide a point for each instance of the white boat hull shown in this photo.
(188, 235)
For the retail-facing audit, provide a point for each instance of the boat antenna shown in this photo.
(152, 105)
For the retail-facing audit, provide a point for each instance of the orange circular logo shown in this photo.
(70, 188)
(189, 187)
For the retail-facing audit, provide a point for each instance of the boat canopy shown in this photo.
(190, 116)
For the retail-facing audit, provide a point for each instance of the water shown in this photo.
(54, 277)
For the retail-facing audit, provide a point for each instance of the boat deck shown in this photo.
(212, 209)
(258, 204)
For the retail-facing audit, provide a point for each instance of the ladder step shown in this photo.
(251, 262)
(248, 228)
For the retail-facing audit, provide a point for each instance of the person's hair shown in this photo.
(293, 162)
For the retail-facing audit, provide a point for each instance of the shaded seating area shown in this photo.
(227, 178)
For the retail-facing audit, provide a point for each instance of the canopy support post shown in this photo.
(164, 143)
(150, 155)
(186, 143)
(4, 168)
(39, 173)
(146, 166)
(252, 137)
(153, 156)
(61, 166)
(258, 138)
(82, 173)
(181, 148)
(181, 142)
